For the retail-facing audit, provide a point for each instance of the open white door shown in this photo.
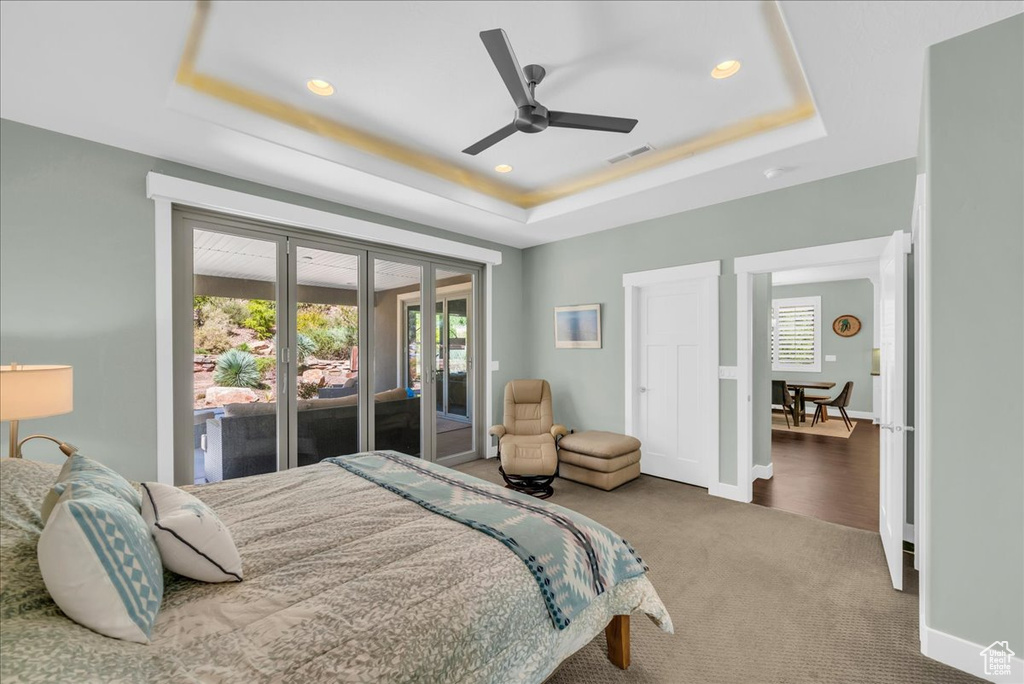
(892, 414)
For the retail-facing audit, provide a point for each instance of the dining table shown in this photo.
(801, 388)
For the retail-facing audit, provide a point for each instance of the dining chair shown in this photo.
(782, 396)
(840, 402)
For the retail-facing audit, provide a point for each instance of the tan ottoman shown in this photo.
(600, 459)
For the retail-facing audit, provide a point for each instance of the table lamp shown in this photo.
(34, 392)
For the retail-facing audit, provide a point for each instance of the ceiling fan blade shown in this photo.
(494, 138)
(590, 122)
(508, 67)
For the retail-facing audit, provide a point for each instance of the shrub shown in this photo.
(309, 321)
(237, 368)
(308, 390)
(212, 333)
(343, 317)
(334, 343)
(236, 309)
(262, 318)
(265, 364)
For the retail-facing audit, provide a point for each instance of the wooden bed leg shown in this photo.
(617, 634)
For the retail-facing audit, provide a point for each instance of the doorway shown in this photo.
(890, 253)
(291, 347)
(816, 448)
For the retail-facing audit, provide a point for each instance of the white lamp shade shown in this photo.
(34, 391)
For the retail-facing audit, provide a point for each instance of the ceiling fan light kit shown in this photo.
(531, 116)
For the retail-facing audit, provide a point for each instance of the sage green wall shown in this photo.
(77, 285)
(853, 354)
(761, 401)
(587, 384)
(975, 480)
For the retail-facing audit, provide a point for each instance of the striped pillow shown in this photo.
(82, 470)
(100, 564)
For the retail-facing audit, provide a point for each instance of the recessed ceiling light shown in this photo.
(502, 168)
(320, 87)
(726, 69)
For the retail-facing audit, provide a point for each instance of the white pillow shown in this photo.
(100, 564)
(192, 540)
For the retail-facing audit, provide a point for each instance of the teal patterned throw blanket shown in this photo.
(572, 558)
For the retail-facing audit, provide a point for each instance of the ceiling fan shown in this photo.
(531, 116)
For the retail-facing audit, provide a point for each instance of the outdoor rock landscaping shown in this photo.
(235, 353)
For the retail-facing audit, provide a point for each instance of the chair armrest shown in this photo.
(559, 431)
(497, 431)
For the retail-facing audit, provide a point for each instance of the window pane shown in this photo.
(327, 350)
(398, 356)
(453, 361)
(234, 370)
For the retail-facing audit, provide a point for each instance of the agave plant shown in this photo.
(304, 346)
(237, 368)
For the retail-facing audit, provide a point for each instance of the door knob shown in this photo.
(642, 390)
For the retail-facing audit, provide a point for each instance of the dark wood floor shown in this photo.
(825, 477)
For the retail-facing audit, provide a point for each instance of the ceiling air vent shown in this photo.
(632, 153)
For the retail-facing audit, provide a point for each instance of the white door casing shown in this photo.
(672, 362)
(892, 454)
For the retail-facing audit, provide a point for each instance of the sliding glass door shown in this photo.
(291, 347)
(453, 361)
(239, 425)
(399, 380)
(325, 298)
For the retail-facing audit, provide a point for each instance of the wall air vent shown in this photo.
(632, 153)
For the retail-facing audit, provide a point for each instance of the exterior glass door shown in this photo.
(399, 384)
(453, 361)
(325, 301)
(291, 347)
(238, 429)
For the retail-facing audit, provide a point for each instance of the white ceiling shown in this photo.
(224, 255)
(826, 274)
(104, 71)
(418, 74)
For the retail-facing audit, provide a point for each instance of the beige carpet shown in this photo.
(757, 595)
(835, 427)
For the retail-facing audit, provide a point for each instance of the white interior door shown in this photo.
(892, 414)
(674, 353)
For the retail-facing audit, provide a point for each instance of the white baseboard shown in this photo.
(762, 472)
(728, 491)
(909, 534)
(859, 415)
(965, 655)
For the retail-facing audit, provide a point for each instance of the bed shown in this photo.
(345, 581)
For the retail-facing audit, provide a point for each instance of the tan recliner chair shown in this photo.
(528, 439)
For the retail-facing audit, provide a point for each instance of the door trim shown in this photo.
(708, 271)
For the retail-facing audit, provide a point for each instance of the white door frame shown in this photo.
(166, 191)
(746, 268)
(708, 271)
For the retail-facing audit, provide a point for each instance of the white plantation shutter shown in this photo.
(796, 334)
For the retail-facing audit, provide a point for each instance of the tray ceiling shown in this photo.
(414, 78)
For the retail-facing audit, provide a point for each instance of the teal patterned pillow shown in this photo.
(85, 471)
(101, 565)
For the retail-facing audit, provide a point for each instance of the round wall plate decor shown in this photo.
(846, 325)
